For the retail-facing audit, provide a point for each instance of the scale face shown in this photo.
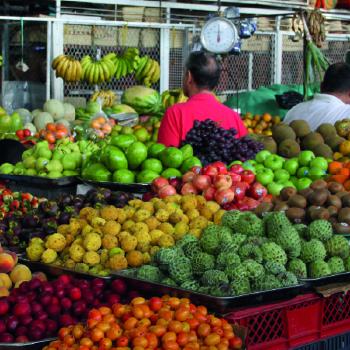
(219, 35)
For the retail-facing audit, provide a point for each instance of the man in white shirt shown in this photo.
(332, 104)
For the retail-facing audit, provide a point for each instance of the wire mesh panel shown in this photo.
(85, 40)
(335, 50)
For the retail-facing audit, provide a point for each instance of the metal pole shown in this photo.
(57, 49)
(164, 59)
(48, 59)
(278, 52)
(250, 71)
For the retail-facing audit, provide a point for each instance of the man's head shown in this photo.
(202, 73)
(336, 81)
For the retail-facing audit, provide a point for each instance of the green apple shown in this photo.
(264, 176)
(319, 162)
(274, 162)
(262, 155)
(291, 165)
(316, 173)
(288, 184)
(235, 162)
(275, 188)
(303, 172)
(259, 167)
(281, 176)
(305, 157)
(303, 183)
(248, 166)
(294, 180)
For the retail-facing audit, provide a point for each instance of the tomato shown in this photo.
(166, 314)
(236, 343)
(222, 346)
(202, 310)
(219, 331)
(96, 334)
(182, 338)
(60, 134)
(170, 345)
(126, 316)
(86, 342)
(229, 334)
(114, 332)
(27, 133)
(186, 327)
(130, 323)
(212, 339)
(182, 314)
(155, 304)
(138, 300)
(104, 326)
(193, 322)
(63, 332)
(158, 330)
(145, 322)
(91, 323)
(193, 308)
(215, 322)
(118, 310)
(174, 302)
(122, 341)
(20, 134)
(138, 312)
(140, 341)
(108, 318)
(78, 331)
(175, 326)
(50, 137)
(105, 344)
(169, 336)
(203, 330)
(69, 340)
(51, 127)
(146, 310)
(192, 337)
(200, 317)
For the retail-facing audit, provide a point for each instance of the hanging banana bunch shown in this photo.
(148, 71)
(97, 71)
(170, 97)
(67, 68)
(108, 97)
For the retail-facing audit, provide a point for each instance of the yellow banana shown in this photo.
(146, 69)
(62, 68)
(56, 61)
(90, 77)
(156, 74)
(106, 71)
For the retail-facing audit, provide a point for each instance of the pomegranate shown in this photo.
(158, 183)
(188, 177)
(166, 191)
(201, 182)
(222, 182)
(188, 188)
(209, 193)
(223, 196)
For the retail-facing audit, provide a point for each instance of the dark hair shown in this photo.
(336, 78)
(204, 68)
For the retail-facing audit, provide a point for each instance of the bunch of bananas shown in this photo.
(148, 71)
(108, 97)
(67, 68)
(316, 24)
(170, 97)
(97, 71)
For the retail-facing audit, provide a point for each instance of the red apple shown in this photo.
(6, 338)
(4, 306)
(12, 323)
(223, 196)
(188, 177)
(166, 191)
(158, 183)
(21, 309)
(222, 182)
(220, 166)
(196, 169)
(239, 189)
(75, 293)
(65, 279)
(235, 177)
(188, 188)
(22, 339)
(209, 193)
(210, 170)
(201, 182)
(257, 191)
(236, 168)
(118, 286)
(248, 176)
(2, 326)
(66, 320)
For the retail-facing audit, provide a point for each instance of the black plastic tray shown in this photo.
(117, 186)
(54, 270)
(322, 281)
(219, 305)
(41, 181)
(33, 345)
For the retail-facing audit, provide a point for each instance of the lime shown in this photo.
(127, 130)
(187, 151)
(152, 164)
(149, 144)
(124, 176)
(30, 172)
(146, 176)
(54, 174)
(189, 163)
(171, 172)
(155, 150)
(29, 163)
(142, 134)
(136, 154)
(171, 157)
(123, 141)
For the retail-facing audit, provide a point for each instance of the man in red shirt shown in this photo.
(201, 77)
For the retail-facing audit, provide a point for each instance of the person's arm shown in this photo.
(169, 132)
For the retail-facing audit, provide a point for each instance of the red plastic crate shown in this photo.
(335, 314)
(283, 325)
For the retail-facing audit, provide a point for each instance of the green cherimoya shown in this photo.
(241, 286)
(227, 259)
(254, 269)
(209, 240)
(287, 279)
(249, 251)
(180, 270)
(301, 229)
(320, 229)
(319, 268)
(214, 278)
(336, 264)
(237, 240)
(165, 256)
(256, 240)
(312, 250)
(298, 267)
(224, 234)
(190, 249)
(347, 264)
(168, 281)
(149, 273)
(337, 246)
(202, 262)
(223, 290)
(230, 218)
(235, 273)
(276, 222)
(186, 239)
(192, 285)
(289, 241)
(249, 224)
(273, 268)
(268, 282)
(273, 252)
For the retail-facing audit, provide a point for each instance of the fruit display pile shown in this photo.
(233, 188)
(110, 238)
(159, 323)
(245, 254)
(260, 124)
(211, 142)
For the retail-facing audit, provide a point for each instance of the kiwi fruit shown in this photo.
(300, 127)
(344, 215)
(296, 215)
(263, 208)
(346, 200)
(334, 201)
(334, 142)
(281, 206)
(297, 201)
(281, 132)
(341, 194)
(288, 148)
(323, 150)
(311, 140)
(269, 144)
(318, 198)
(327, 130)
(306, 192)
(319, 185)
(318, 213)
(287, 192)
(335, 187)
(333, 211)
(341, 228)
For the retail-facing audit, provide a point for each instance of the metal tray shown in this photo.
(54, 270)
(322, 281)
(33, 345)
(116, 186)
(220, 305)
(41, 181)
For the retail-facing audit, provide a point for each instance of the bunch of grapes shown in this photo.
(211, 143)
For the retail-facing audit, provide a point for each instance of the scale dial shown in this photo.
(219, 35)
